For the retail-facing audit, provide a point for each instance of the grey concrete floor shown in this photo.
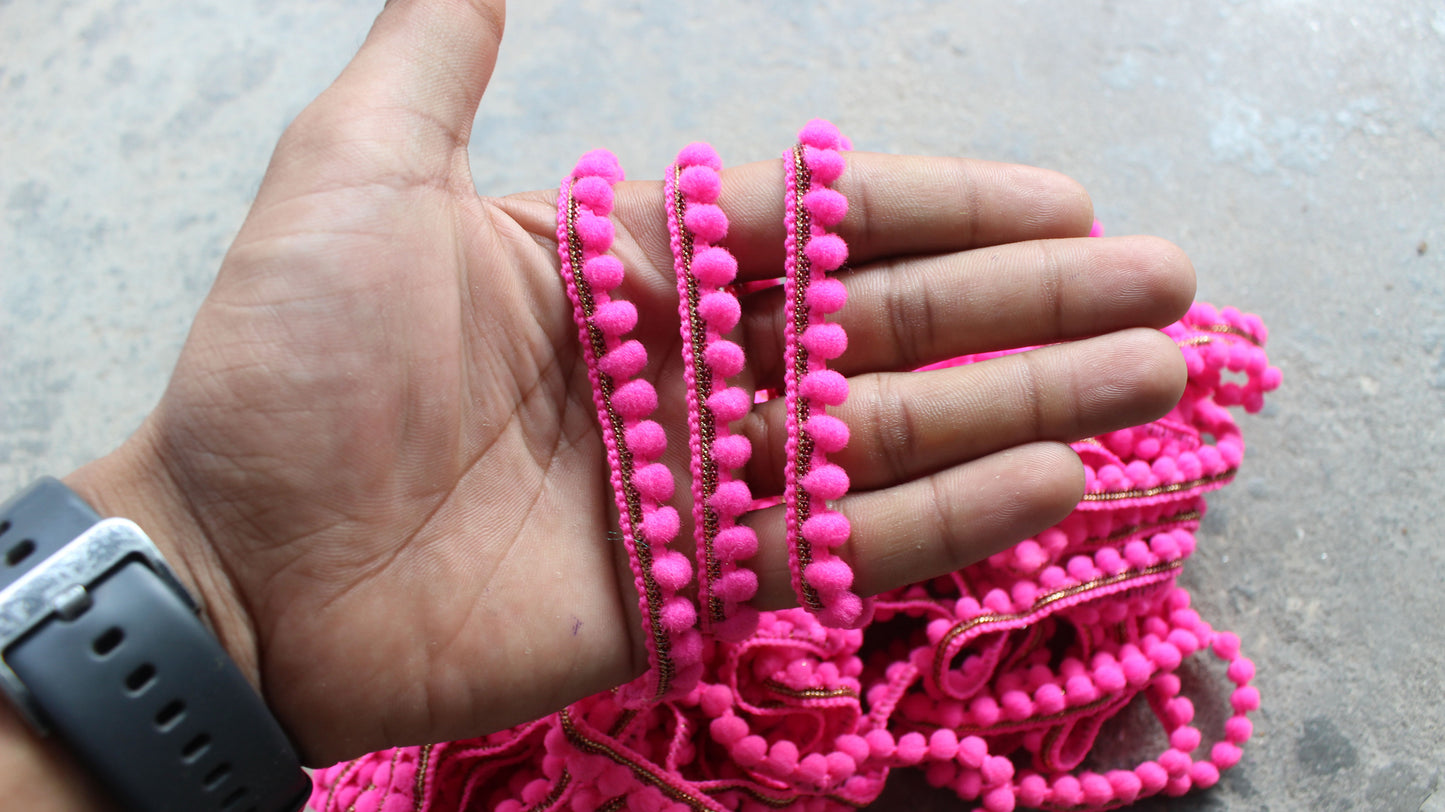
(1295, 149)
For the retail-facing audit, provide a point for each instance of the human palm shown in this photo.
(379, 458)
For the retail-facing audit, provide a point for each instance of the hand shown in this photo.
(378, 461)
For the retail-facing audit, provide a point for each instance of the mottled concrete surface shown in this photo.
(1296, 150)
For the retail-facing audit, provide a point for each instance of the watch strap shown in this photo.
(139, 688)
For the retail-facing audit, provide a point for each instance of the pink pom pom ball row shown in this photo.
(822, 580)
(707, 311)
(641, 484)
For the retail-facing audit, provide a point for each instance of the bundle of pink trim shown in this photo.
(994, 680)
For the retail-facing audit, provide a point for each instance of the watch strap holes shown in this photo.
(170, 715)
(4, 526)
(216, 776)
(137, 681)
(15, 555)
(108, 641)
(195, 748)
(233, 800)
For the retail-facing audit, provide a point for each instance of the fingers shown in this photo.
(912, 424)
(936, 524)
(907, 205)
(898, 206)
(903, 314)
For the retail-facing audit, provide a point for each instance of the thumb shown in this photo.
(432, 58)
(412, 90)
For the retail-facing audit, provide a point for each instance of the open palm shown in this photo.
(378, 458)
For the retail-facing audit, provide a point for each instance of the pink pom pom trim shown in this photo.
(810, 208)
(707, 310)
(634, 443)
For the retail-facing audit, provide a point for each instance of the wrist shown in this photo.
(133, 482)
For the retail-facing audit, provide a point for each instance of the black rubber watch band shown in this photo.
(118, 664)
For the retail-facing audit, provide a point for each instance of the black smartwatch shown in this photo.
(101, 646)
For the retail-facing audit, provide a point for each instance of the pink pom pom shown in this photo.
(825, 386)
(826, 296)
(603, 272)
(880, 743)
(1203, 774)
(731, 498)
(829, 433)
(999, 799)
(616, 317)
(820, 133)
(646, 439)
(972, 751)
(677, 614)
(1126, 785)
(1238, 729)
(601, 163)
(714, 701)
(1097, 790)
(844, 612)
(595, 193)
(1050, 699)
(1110, 678)
(826, 165)
(826, 482)
(737, 586)
(699, 153)
(1245, 700)
(1225, 755)
(827, 252)
(720, 310)
(724, 358)
(654, 482)
(1152, 777)
(730, 404)
(813, 768)
(841, 766)
(943, 744)
(672, 570)
(985, 710)
(595, 231)
(750, 751)
(727, 729)
(624, 361)
(706, 222)
(783, 757)
(736, 543)
(1068, 791)
(699, 184)
(912, 747)
(827, 529)
(1033, 790)
(714, 266)
(732, 451)
(660, 526)
(635, 399)
(1184, 739)
(1165, 656)
(826, 340)
(827, 207)
(1175, 762)
(830, 576)
(997, 770)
